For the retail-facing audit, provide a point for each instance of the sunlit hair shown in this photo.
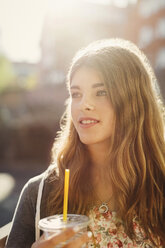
(137, 151)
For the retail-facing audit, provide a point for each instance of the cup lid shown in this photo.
(55, 222)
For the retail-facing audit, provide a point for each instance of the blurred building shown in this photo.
(147, 30)
(72, 25)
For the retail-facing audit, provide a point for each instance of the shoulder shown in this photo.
(33, 183)
(43, 182)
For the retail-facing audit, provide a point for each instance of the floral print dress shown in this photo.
(108, 231)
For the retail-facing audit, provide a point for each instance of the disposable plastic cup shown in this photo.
(53, 225)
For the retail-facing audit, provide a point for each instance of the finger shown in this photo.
(84, 238)
(62, 237)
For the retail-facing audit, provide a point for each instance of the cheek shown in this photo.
(112, 120)
(73, 114)
(110, 114)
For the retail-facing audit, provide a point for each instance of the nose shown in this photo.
(87, 105)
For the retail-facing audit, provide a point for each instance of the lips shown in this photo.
(88, 122)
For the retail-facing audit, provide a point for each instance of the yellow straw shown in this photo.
(66, 188)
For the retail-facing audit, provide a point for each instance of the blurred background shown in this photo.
(38, 39)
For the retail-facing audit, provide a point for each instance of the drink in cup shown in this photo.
(55, 224)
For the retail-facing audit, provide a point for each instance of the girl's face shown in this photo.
(91, 109)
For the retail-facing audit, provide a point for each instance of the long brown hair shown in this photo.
(137, 160)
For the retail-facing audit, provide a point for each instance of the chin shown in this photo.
(87, 141)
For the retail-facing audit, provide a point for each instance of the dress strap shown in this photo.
(39, 197)
(37, 217)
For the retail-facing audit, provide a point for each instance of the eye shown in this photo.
(75, 94)
(101, 93)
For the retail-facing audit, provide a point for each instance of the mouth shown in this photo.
(88, 122)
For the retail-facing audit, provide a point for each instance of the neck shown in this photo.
(99, 157)
(100, 173)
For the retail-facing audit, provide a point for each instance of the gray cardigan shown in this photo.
(22, 234)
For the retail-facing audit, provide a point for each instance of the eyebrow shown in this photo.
(93, 86)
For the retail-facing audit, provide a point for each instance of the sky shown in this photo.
(21, 26)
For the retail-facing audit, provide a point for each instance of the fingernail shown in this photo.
(89, 234)
(76, 229)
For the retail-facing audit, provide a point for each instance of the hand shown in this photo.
(52, 241)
